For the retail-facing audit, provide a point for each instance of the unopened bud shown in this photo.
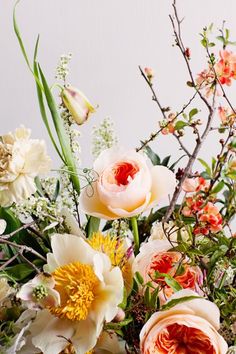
(77, 104)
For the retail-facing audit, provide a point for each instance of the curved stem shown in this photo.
(134, 225)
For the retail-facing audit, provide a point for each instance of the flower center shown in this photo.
(123, 172)
(163, 263)
(180, 339)
(5, 157)
(40, 292)
(76, 284)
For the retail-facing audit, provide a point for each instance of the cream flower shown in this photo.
(158, 233)
(5, 289)
(188, 327)
(126, 186)
(90, 291)
(21, 160)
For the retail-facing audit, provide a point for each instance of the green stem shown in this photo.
(134, 225)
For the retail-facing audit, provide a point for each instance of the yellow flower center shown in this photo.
(115, 249)
(76, 284)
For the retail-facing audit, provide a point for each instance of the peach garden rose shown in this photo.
(126, 185)
(156, 256)
(189, 327)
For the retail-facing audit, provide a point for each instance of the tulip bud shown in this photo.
(77, 104)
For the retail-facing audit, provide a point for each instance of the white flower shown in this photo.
(158, 233)
(21, 160)
(90, 292)
(39, 292)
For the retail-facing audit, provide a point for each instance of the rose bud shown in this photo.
(77, 104)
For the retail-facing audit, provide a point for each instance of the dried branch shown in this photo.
(22, 248)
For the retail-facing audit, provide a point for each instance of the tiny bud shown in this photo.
(222, 141)
(120, 316)
(150, 73)
(187, 53)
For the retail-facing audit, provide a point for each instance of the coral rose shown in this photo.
(187, 328)
(126, 185)
(156, 256)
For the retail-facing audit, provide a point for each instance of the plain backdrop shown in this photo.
(108, 39)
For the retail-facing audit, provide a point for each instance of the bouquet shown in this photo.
(136, 254)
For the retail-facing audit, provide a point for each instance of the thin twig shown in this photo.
(10, 260)
(22, 248)
(211, 108)
(23, 227)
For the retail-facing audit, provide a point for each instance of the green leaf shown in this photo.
(147, 296)
(61, 133)
(172, 283)
(220, 38)
(18, 35)
(175, 302)
(207, 167)
(139, 278)
(166, 160)
(193, 112)
(218, 187)
(211, 44)
(57, 190)
(155, 159)
(43, 110)
(20, 272)
(204, 42)
(180, 125)
(92, 225)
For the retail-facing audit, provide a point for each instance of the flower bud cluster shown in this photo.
(103, 137)
(62, 69)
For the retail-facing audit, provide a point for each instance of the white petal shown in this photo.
(163, 183)
(3, 225)
(70, 248)
(91, 204)
(46, 331)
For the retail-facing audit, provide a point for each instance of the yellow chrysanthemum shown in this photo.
(116, 250)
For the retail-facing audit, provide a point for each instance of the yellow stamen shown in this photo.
(115, 249)
(76, 284)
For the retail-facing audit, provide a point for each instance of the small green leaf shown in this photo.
(19, 272)
(172, 283)
(193, 112)
(180, 125)
(139, 278)
(175, 302)
(92, 225)
(218, 187)
(57, 190)
(155, 159)
(166, 161)
(207, 167)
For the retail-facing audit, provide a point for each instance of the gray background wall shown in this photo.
(108, 39)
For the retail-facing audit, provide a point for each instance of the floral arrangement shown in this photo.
(136, 254)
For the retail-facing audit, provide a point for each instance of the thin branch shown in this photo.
(23, 227)
(211, 108)
(10, 260)
(30, 263)
(22, 248)
(181, 144)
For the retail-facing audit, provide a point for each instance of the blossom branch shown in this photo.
(210, 106)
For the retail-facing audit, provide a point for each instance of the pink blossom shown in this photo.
(226, 67)
(226, 115)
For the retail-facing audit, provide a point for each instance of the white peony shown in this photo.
(90, 291)
(21, 160)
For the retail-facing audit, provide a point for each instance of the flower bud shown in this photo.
(150, 73)
(77, 104)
